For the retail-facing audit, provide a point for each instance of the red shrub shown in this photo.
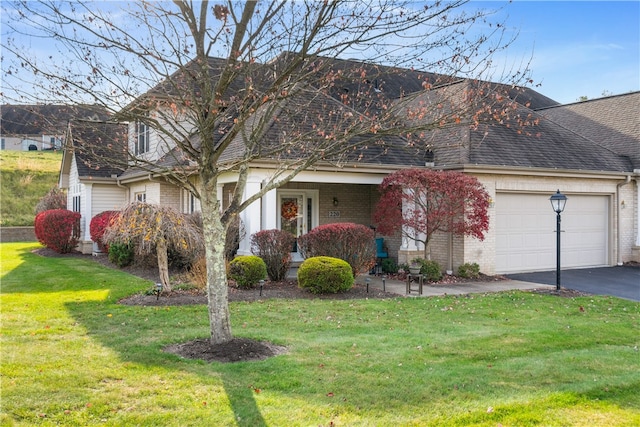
(58, 229)
(353, 243)
(274, 247)
(98, 225)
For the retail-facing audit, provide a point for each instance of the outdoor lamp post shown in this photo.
(558, 201)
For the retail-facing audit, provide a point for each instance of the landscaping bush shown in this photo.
(58, 229)
(469, 270)
(274, 247)
(247, 270)
(389, 266)
(121, 254)
(353, 243)
(98, 225)
(430, 269)
(54, 199)
(324, 275)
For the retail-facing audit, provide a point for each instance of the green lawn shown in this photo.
(27, 176)
(72, 356)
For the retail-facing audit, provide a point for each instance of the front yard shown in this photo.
(71, 355)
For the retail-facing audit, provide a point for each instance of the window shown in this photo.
(2, 146)
(141, 197)
(76, 203)
(142, 138)
(192, 203)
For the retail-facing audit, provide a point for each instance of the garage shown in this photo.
(525, 232)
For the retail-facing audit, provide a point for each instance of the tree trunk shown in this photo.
(163, 264)
(217, 291)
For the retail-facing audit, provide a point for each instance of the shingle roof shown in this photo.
(310, 116)
(612, 122)
(550, 140)
(44, 119)
(538, 143)
(100, 148)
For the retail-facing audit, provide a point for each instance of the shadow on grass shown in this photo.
(139, 340)
(147, 330)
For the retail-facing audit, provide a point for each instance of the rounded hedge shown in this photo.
(247, 270)
(121, 254)
(325, 275)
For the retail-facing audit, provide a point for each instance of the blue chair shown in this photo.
(380, 254)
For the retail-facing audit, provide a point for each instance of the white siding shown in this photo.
(108, 198)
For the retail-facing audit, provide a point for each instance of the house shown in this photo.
(89, 171)
(40, 127)
(521, 157)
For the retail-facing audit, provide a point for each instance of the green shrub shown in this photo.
(121, 254)
(430, 269)
(247, 270)
(389, 266)
(324, 275)
(469, 270)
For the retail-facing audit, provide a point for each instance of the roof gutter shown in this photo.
(618, 215)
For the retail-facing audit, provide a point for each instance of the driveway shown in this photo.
(621, 282)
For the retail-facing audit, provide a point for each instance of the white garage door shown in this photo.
(526, 238)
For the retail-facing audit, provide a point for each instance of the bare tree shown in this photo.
(228, 85)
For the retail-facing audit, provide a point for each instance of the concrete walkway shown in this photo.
(400, 287)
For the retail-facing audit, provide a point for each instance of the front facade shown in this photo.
(520, 171)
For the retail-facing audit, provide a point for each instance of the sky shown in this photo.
(578, 48)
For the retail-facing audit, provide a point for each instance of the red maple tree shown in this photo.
(433, 201)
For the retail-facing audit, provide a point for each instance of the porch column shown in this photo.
(270, 210)
(408, 249)
(220, 191)
(250, 217)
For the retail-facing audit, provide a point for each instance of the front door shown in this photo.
(296, 214)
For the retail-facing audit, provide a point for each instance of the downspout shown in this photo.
(125, 188)
(618, 240)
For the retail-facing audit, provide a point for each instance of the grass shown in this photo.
(26, 177)
(72, 356)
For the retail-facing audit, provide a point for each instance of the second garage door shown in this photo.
(525, 232)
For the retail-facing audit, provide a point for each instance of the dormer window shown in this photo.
(142, 138)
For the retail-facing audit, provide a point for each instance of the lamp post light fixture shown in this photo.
(558, 202)
(158, 290)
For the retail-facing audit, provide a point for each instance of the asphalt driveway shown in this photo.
(622, 282)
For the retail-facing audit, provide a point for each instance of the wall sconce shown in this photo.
(622, 205)
(491, 203)
(335, 201)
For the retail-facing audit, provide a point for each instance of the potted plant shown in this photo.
(415, 266)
